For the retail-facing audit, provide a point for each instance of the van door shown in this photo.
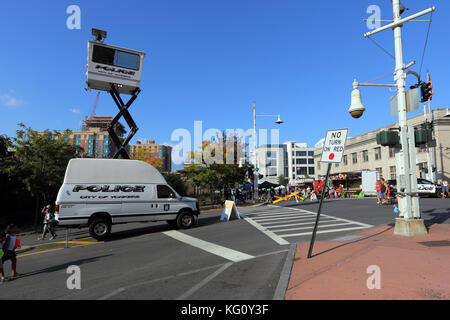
(136, 208)
(167, 200)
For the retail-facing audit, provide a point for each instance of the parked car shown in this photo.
(425, 187)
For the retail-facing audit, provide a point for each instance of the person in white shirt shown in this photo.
(9, 248)
(444, 188)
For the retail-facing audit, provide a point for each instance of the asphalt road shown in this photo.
(240, 259)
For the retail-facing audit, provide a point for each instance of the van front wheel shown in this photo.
(100, 228)
(185, 220)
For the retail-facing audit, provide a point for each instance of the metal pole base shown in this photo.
(410, 227)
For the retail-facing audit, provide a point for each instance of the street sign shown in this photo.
(412, 102)
(333, 146)
(230, 212)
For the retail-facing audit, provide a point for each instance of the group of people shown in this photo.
(385, 193)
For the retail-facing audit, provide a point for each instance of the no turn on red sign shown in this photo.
(333, 147)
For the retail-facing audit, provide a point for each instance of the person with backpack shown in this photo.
(10, 243)
(49, 219)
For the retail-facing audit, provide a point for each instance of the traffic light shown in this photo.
(250, 173)
(388, 138)
(426, 91)
(423, 135)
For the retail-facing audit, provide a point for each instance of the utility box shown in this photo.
(388, 138)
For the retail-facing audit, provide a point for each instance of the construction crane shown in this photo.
(92, 112)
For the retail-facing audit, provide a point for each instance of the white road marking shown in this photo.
(210, 247)
(195, 288)
(324, 215)
(323, 231)
(284, 219)
(280, 215)
(268, 233)
(297, 224)
(281, 218)
(309, 227)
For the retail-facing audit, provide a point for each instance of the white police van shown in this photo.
(101, 192)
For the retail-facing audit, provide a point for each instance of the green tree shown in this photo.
(176, 181)
(216, 163)
(40, 160)
(282, 180)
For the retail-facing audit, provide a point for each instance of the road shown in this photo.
(240, 259)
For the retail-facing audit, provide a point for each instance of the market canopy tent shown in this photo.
(267, 185)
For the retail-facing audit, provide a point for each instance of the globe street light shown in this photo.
(255, 159)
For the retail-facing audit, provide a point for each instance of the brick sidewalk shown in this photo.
(411, 268)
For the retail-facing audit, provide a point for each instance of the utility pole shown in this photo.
(409, 223)
(255, 161)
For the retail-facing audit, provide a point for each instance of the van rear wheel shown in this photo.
(185, 220)
(100, 228)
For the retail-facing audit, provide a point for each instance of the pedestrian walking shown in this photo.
(378, 189)
(444, 189)
(384, 189)
(49, 219)
(10, 244)
(2, 242)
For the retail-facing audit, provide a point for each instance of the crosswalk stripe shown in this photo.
(284, 218)
(296, 224)
(311, 226)
(323, 231)
(281, 215)
(269, 233)
(210, 247)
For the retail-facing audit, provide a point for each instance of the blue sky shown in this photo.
(209, 60)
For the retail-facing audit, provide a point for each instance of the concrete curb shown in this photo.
(280, 291)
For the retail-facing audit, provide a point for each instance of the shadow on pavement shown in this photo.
(438, 217)
(64, 266)
(119, 235)
(391, 226)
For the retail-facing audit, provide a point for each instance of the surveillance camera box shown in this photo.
(109, 65)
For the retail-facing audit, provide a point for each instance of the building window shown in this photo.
(365, 154)
(302, 170)
(380, 171)
(378, 153)
(310, 161)
(301, 161)
(392, 171)
(310, 170)
(354, 158)
(345, 160)
(301, 153)
(310, 153)
(318, 165)
(391, 152)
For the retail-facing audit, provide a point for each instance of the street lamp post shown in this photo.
(409, 223)
(255, 159)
